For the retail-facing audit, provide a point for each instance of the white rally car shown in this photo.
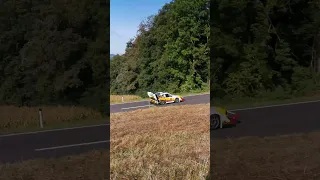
(220, 117)
(162, 98)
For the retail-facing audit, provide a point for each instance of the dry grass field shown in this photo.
(287, 157)
(12, 117)
(127, 98)
(160, 143)
(89, 166)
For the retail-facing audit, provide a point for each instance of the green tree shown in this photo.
(53, 52)
(261, 46)
(170, 52)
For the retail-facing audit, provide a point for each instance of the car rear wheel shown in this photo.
(214, 121)
(162, 102)
(176, 100)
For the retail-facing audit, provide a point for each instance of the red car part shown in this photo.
(233, 118)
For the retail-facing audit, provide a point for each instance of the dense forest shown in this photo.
(54, 52)
(169, 53)
(264, 47)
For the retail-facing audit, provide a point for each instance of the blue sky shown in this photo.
(125, 17)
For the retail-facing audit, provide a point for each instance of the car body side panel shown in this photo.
(221, 112)
(226, 117)
(162, 97)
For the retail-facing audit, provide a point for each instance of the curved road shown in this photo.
(68, 141)
(274, 120)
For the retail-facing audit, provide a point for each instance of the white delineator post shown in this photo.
(122, 99)
(40, 118)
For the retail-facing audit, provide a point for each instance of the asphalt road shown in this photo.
(195, 99)
(273, 121)
(55, 143)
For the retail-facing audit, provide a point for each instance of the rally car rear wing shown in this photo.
(150, 94)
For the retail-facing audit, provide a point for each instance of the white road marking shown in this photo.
(72, 145)
(134, 107)
(128, 102)
(275, 105)
(52, 130)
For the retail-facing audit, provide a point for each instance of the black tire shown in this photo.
(176, 100)
(162, 102)
(214, 121)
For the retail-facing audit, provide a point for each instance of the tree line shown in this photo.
(169, 53)
(264, 47)
(54, 52)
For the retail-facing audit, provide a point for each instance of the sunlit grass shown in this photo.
(148, 144)
(12, 117)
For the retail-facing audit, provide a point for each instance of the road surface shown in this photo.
(274, 120)
(195, 99)
(53, 143)
(56, 143)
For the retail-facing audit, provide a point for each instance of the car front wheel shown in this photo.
(176, 100)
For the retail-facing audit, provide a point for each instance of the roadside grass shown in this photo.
(294, 157)
(127, 98)
(147, 144)
(245, 102)
(114, 99)
(193, 93)
(89, 166)
(21, 119)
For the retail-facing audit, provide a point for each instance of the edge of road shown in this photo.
(52, 130)
(147, 100)
(275, 105)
